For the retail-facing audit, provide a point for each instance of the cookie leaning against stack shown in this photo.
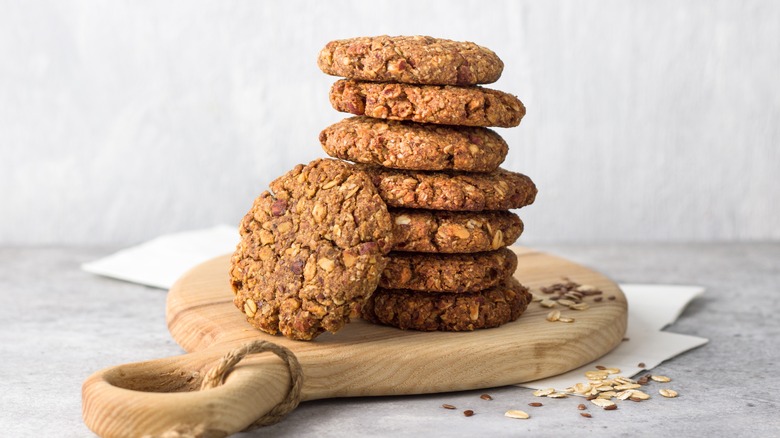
(420, 134)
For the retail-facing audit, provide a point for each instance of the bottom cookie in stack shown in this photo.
(429, 311)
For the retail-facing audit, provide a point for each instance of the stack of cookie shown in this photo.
(421, 135)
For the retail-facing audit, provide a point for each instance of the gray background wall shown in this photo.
(647, 120)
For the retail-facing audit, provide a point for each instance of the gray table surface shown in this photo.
(59, 324)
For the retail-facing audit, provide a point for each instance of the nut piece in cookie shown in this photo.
(411, 60)
(311, 250)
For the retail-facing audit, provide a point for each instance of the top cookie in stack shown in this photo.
(421, 135)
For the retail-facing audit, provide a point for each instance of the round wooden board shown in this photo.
(367, 359)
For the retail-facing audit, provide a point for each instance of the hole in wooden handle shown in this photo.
(156, 397)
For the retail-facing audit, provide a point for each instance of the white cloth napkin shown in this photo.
(161, 261)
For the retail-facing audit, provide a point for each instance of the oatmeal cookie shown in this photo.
(453, 232)
(428, 311)
(414, 146)
(310, 250)
(454, 191)
(441, 104)
(410, 60)
(456, 273)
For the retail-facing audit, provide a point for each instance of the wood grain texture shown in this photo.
(362, 359)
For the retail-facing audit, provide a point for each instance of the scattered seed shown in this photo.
(635, 399)
(662, 379)
(521, 415)
(641, 364)
(626, 339)
(468, 412)
(643, 380)
(668, 393)
(601, 367)
(582, 406)
(586, 415)
(591, 397)
(446, 406)
(553, 316)
(598, 299)
(611, 298)
(486, 397)
(535, 404)
(611, 407)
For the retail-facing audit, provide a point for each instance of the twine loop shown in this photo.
(216, 376)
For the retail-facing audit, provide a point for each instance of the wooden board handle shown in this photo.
(163, 397)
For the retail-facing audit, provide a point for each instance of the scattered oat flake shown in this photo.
(468, 412)
(668, 393)
(565, 319)
(544, 392)
(640, 395)
(517, 414)
(612, 370)
(554, 315)
(535, 404)
(586, 415)
(446, 406)
(486, 397)
(582, 388)
(662, 379)
(547, 303)
(557, 395)
(602, 402)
